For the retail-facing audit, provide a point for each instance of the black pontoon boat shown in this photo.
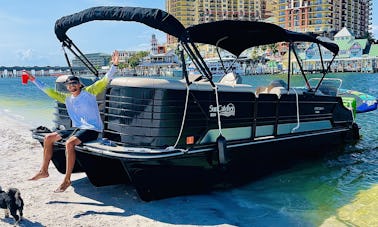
(172, 137)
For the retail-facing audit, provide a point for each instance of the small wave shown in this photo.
(30, 117)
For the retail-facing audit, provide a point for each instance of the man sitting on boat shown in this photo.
(83, 111)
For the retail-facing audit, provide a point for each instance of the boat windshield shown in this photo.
(328, 86)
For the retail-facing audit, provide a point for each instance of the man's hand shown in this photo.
(30, 76)
(115, 57)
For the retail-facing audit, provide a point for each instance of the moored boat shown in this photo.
(219, 66)
(172, 137)
(364, 102)
(357, 101)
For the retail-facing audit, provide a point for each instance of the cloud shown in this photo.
(25, 55)
(31, 57)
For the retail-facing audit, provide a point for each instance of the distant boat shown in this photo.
(359, 101)
(219, 66)
(364, 102)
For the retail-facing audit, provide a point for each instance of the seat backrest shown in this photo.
(231, 78)
(277, 90)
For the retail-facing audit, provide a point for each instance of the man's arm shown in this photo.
(52, 93)
(100, 85)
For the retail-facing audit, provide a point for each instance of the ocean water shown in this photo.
(327, 191)
(26, 103)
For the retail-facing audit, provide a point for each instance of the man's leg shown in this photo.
(48, 143)
(70, 162)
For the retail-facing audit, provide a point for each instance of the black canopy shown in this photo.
(233, 36)
(237, 36)
(154, 18)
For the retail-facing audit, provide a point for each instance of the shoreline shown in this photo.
(82, 204)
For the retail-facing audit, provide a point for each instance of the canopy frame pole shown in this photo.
(67, 60)
(220, 58)
(76, 51)
(198, 61)
(324, 72)
(184, 70)
(289, 67)
(191, 54)
(207, 71)
(321, 57)
(301, 68)
(194, 60)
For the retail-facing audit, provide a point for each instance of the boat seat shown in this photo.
(263, 90)
(278, 90)
(195, 78)
(231, 79)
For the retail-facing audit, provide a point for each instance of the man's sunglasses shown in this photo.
(72, 83)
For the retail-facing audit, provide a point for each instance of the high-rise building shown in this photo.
(215, 10)
(97, 60)
(190, 12)
(184, 11)
(324, 16)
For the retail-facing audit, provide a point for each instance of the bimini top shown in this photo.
(154, 18)
(237, 36)
(233, 36)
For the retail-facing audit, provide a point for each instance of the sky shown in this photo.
(27, 35)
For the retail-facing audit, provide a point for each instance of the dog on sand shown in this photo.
(12, 202)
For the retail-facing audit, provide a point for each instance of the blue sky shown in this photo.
(27, 35)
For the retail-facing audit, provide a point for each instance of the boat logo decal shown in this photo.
(224, 110)
(317, 109)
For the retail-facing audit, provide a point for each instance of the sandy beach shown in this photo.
(83, 204)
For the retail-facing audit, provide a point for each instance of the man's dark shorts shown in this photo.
(84, 135)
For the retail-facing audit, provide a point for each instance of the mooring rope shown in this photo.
(184, 116)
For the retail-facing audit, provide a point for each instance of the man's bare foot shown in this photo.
(40, 175)
(63, 186)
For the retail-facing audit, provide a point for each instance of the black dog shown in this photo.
(12, 202)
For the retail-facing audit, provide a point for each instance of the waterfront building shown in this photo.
(160, 61)
(373, 51)
(125, 55)
(355, 55)
(161, 64)
(350, 47)
(325, 16)
(97, 60)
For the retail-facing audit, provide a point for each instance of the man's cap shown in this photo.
(73, 78)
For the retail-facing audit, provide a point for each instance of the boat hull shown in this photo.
(151, 150)
(199, 170)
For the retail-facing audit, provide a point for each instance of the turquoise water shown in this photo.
(304, 195)
(26, 102)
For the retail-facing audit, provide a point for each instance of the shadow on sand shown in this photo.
(24, 222)
(205, 209)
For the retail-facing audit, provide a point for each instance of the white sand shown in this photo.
(85, 205)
